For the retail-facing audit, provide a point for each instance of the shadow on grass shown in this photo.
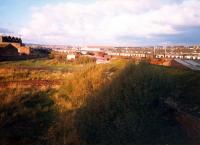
(131, 110)
(26, 120)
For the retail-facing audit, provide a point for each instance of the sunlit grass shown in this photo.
(49, 64)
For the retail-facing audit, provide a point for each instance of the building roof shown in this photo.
(10, 39)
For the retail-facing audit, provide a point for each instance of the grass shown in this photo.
(49, 64)
(37, 69)
(26, 116)
(30, 112)
(30, 115)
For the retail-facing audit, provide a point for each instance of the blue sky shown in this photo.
(20, 11)
(107, 22)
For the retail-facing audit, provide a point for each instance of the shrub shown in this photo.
(84, 60)
(59, 56)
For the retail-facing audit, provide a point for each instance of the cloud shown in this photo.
(106, 21)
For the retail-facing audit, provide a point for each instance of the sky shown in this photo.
(102, 22)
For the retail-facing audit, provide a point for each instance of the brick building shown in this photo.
(8, 50)
(8, 43)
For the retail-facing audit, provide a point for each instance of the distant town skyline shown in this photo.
(102, 22)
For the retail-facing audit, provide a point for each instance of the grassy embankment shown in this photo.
(28, 111)
(117, 103)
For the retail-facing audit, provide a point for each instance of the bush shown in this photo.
(84, 60)
(58, 56)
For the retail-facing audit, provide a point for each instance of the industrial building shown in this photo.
(12, 46)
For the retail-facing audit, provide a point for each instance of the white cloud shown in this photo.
(104, 21)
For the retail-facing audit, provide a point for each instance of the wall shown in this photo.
(9, 50)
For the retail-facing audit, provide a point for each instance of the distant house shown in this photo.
(8, 50)
(101, 60)
(71, 57)
(90, 49)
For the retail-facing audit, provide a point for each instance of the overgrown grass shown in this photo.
(37, 69)
(26, 117)
(48, 64)
(131, 109)
(26, 74)
(117, 103)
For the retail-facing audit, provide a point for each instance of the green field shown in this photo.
(48, 64)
